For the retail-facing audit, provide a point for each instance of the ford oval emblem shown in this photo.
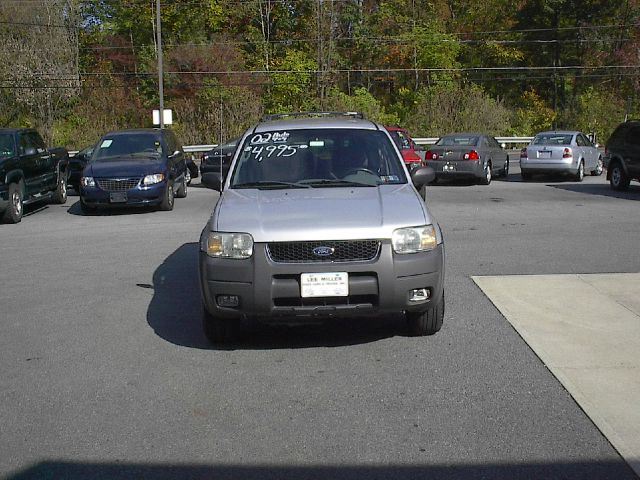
(323, 251)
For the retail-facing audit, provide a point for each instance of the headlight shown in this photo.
(153, 179)
(229, 245)
(414, 239)
(87, 182)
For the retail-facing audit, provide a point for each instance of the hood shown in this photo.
(125, 168)
(320, 213)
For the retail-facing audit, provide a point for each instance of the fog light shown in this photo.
(419, 295)
(228, 300)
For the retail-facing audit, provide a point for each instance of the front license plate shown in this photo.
(118, 197)
(331, 284)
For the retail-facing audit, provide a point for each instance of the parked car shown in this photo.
(468, 155)
(566, 152)
(76, 165)
(192, 169)
(407, 146)
(142, 167)
(622, 155)
(219, 158)
(29, 172)
(319, 218)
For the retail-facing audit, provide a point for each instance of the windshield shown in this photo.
(552, 139)
(139, 145)
(7, 148)
(319, 158)
(458, 140)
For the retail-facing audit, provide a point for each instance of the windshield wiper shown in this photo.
(335, 183)
(264, 184)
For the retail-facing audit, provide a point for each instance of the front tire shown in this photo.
(15, 209)
(618, 180)
(60, 196)
(219, 330)
(505, 169)
(426, 323)
(168, 198)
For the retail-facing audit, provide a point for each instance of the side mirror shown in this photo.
(421, 176)
(212, 180)
(174, 154)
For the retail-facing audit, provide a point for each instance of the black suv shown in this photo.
(622, 155)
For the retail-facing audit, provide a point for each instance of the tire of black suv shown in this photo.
(618, 180)
(13, 213)
(60, 195)
(426, 323)
(220, 330)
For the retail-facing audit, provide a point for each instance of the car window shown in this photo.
(580, 140)
(7, 147)
(307, 155)
(552, 139)
(142, 145)
(30, 140)
(458, 140)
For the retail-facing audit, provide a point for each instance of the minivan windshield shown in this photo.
(317, 158)
(7, 148)
(138, 145)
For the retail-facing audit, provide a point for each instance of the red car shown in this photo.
(406, 145)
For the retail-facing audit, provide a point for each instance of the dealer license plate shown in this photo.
(544, 154)
(331, 284)
(118, 197)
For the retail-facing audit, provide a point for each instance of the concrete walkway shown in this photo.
(586, 330)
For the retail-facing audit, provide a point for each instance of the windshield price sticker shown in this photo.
(330, 284)
(260, 152)
(264, 138)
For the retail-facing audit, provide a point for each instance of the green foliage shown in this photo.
(360, 101)
(290, 91)
(533, 116)
(595, 111)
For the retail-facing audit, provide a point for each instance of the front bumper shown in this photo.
(270, 291)
(138, 196)
(457, 168)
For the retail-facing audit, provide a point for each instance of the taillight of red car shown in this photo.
(430, 155)
(472, 155)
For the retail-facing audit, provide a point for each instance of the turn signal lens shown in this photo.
(229, 245)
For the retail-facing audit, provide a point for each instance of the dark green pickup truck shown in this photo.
(29, 172)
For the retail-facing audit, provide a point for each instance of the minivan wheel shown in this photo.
(13, 213)
(168, 198)
(219, 330)
(618, 179)
(426, 323)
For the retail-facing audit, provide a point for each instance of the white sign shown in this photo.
(167, 117)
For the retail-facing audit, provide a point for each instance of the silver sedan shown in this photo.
(560, 152)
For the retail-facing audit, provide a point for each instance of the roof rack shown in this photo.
(279, 116)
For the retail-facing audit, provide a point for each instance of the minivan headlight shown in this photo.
(414, 239)
(229, 245)
(153, 179)
(87, 182)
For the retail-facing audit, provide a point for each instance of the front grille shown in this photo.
(117, 184)
(343, 251)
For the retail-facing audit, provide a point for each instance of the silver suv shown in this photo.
(319, 218)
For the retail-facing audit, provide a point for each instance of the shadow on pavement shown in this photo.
(175, 315)
(633, 193)
(613, 470)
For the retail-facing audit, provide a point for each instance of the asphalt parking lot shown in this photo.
(105, 372)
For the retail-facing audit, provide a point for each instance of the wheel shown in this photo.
(617, 178)
(60, 196)
(13, 213)
(187, 177)
(486, 179)
(86, 209)
(505, 169)
(579, 175)
(599, 168)
(219, 330)
(426, 323)
(182, 191)
(168, 198)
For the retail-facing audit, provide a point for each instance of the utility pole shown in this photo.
(160, 69)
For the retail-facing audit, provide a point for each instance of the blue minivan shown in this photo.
(138, 167)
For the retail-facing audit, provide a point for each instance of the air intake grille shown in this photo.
(324, 251)
(117, 185)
